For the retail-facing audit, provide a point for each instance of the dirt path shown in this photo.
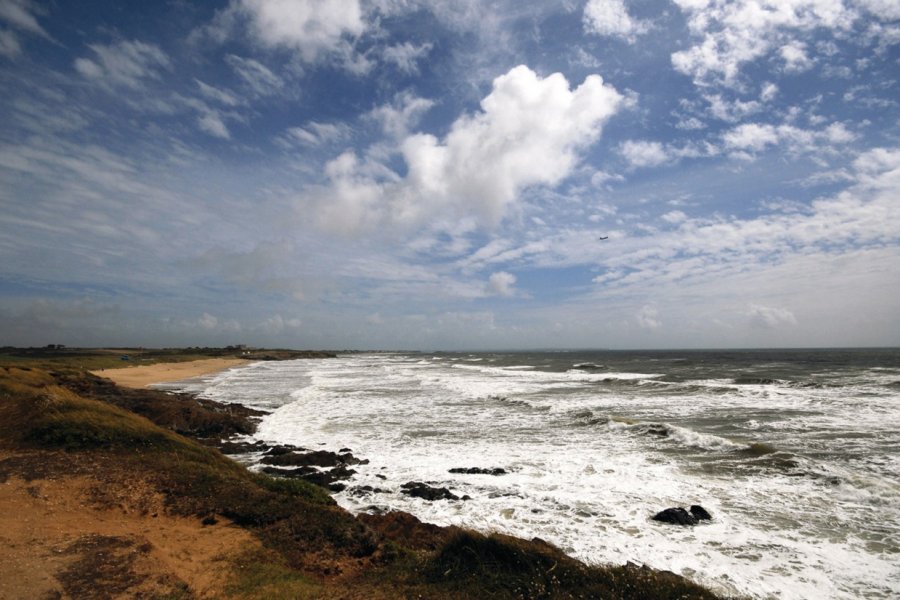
(77, 537)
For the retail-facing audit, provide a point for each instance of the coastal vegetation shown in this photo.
(145, 459)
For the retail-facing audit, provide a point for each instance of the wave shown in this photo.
(782, 382)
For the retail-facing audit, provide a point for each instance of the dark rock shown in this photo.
(677, 515)
(324, 478)
(298, 473)
(316, 458)
(345, 450)
(380, 476)
(281, 450)
(479, 471)
(417, 489)
(239, 447)
(209, 520)
(365, 490)
(700, 513)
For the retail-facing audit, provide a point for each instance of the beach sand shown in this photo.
(146, 375)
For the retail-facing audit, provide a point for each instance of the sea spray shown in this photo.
(801, 479)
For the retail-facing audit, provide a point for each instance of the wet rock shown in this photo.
(316, 458)
(365, 490)
(240, 447)
(328, 478)
(282, 450)
(417, 489)
(700, 513)
(676, 515)
(479, 471)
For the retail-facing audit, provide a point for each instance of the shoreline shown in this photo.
(143, 376)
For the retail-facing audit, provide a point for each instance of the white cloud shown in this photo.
(316, 134)
(648, 318)
(767, 317)
(713, 249)
(756, 137)
(611, 18)
(9, 44)
(124, 63)
(403, 113)
(207, 321)
(751, 136)
(529, 132)
(308, 27)
(643, 154)
(259, 78)
(502, 283)
(20, 14)
(216, 94)
(735, 32)
(212, 124)
(674, 217)
(795, 58)
(406, 56)
(887, 10)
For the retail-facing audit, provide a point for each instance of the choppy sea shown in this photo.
(796, 453)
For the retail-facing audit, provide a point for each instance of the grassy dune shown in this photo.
(66, 423)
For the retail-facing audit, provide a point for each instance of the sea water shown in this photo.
(795, 453)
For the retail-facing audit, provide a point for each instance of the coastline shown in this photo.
(143, 376)
(89, 452)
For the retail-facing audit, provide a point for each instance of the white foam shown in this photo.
(593, 489)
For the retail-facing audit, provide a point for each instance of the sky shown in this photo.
(439, 175)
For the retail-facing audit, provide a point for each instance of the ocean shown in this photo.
(795, 453)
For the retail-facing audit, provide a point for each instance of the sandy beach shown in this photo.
(146, 375)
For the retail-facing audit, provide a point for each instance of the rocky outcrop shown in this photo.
(478, 471)
(680, 516)
(417, 489)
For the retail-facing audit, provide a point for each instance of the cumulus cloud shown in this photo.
(795, 57)
(401, 114)
(754, 138)
(641, 153)
(125, 63)
(529, 132)
(502, 283)
(734, 32)
(611, 18)
(311, 29)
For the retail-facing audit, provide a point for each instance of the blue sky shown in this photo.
(441, 175)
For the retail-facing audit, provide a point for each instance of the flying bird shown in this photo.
(603, 238)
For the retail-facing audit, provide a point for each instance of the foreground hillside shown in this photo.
(102, 495)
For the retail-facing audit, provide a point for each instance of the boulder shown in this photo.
(417, 489)
(316, 458)
(676, 515)
(479, 471)
(700, 513)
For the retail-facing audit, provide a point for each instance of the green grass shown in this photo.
(264, 575)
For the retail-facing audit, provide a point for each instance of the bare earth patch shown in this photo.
(77, 537)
